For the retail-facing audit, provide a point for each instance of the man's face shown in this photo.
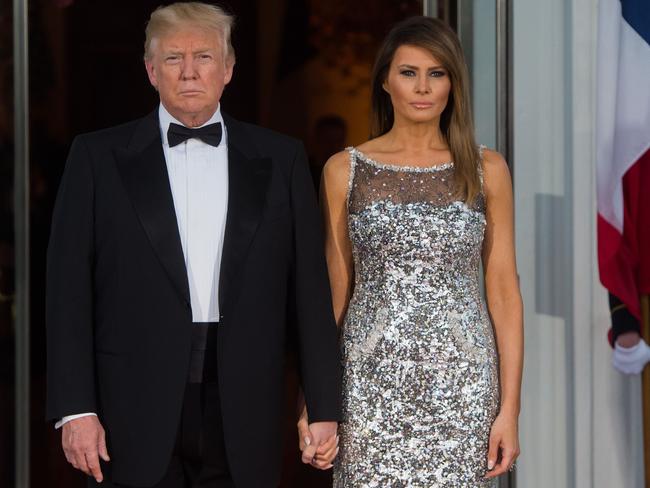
(189, 70)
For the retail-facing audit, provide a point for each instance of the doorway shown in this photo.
(303, 68)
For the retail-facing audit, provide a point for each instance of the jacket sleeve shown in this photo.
(69, 295)
(317, 331)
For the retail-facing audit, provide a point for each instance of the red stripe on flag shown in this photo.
(624, 259)
(616, 264)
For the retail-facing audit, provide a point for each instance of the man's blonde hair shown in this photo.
(165, 20)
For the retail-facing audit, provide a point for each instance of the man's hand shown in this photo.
(304, 436)
(631, 353)
(84, 442)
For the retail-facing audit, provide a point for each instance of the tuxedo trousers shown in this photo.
(199, 456)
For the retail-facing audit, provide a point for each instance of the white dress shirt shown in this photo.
(198, 177)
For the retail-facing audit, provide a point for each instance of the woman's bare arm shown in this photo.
(505, 307)
(338, 250)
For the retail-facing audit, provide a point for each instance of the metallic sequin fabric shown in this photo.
(420, 388)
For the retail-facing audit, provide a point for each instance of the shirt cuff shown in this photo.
(68, 418)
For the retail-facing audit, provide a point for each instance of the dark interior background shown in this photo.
(300, 63)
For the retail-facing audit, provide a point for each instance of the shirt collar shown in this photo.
(165, 118)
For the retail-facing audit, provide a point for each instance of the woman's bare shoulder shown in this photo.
(336, 171)
(338, 162)
(496, 171)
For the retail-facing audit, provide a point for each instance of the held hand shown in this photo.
(326, 453)
(503, 446)
(318, 441)
(323, 447)
(84, 442)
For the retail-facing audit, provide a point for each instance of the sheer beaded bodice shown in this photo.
(372, 181)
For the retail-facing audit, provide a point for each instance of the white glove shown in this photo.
(631, 360)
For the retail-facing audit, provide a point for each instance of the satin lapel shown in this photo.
(248, 179)
(144, 174)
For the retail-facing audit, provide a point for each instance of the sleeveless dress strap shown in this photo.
(353, 163)
(481, 148)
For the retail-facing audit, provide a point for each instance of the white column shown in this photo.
(542, 221)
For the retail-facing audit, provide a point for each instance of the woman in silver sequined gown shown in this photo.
(422, 400)
(420, 370)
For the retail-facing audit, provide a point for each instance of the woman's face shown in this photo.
(418, 85)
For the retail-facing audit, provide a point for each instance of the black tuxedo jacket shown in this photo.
(118, 307)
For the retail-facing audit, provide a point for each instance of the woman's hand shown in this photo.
(321, 452)
(504, 445)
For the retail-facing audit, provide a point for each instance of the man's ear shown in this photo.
(151, 72)
(230, 65)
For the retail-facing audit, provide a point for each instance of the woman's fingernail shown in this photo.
(307, 441)
(490, 464)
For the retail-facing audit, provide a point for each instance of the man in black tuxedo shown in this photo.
(182, 244)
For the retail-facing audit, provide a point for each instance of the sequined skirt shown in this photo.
(420, 393)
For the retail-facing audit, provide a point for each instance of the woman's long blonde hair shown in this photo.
(456, 120)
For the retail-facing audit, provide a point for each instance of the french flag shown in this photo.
(623, 149)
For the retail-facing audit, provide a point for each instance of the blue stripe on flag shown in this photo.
(637, 14)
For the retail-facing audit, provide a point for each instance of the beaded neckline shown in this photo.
(400, 167)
